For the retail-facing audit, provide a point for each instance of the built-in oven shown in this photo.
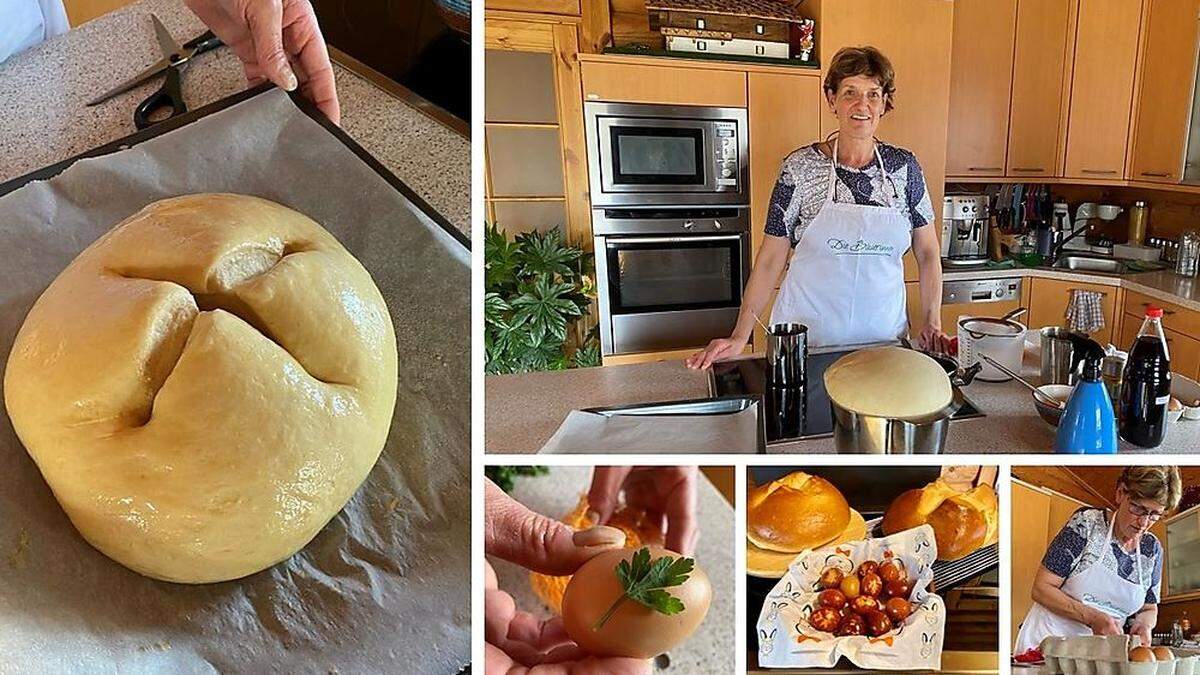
(640, 153)
(669, 278)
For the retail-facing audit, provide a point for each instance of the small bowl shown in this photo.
(1186, 389)
(1174, 415)
(1047, 410)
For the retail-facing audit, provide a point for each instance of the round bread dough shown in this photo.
(205, 386)
(888, 382)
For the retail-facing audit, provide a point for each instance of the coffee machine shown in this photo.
(965, 230)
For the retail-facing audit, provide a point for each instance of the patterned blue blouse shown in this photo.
(1068, 551)
(803, 185)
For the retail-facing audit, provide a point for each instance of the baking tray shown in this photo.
(714, 405)
(328, 625)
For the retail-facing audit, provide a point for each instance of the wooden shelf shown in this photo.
(701, 64)
(523, 125)
(531, 198)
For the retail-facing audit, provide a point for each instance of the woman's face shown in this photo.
(1135, 516)
(858, 103)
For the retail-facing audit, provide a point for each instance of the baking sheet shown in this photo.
(584, 432)
(385, 585)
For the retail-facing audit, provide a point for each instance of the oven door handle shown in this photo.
(613, 243)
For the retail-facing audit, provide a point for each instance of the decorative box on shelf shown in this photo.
(757, 28)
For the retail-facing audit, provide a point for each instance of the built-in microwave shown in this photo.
(642, 154)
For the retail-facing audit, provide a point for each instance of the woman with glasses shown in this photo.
(1102, 572)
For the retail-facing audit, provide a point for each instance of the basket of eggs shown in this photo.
(867, 601)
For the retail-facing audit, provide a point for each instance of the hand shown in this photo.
(933, 340)
(276, 40)
(666, 493)
(538, 543)
(1140, 629)
(517, 642)
(718, 349)
(1103, 624)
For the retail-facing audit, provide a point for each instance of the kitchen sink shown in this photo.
(1090, 264)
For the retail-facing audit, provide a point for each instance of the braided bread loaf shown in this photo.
(205, 386)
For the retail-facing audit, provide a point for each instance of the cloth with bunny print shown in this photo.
(788, 639)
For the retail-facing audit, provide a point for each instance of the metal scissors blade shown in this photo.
(166, 42)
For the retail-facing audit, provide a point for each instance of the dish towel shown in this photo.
(1085, 311)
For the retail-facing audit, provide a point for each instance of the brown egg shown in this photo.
(1141, 654)
(868, 567)
(897, 609)
(831, 597)
(871, 584)
(633, 630)
(825, 618)
(831, 578)
(850, 587)
(852, 625)
(878, 623)
(1162, 653)
(863, 604)
(899, 589)
(892, 570)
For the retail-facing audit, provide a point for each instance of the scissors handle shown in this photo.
(204, 42)
(169, 95)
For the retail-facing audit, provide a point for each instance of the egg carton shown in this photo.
(1109, 655)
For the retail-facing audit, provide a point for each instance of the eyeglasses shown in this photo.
(1140, 512)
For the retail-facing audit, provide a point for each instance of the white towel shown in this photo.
(1085, 311)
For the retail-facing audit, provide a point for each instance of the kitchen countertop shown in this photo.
(45, 89)
(522, 411)
(711, 647)
(1162, 285)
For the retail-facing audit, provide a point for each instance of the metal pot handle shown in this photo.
(964, 376)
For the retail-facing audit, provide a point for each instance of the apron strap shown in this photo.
(887, 178)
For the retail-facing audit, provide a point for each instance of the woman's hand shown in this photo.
(667, 495)
(1103, 624)
(932, 339)
(717, 350)
(518, 642)
(271, 37)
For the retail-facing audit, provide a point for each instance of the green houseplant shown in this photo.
(538, 290)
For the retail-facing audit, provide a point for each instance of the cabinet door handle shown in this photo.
(1156, 175)
(984, 168)
(1028, 170)
(1166, 312)
(1099, 172)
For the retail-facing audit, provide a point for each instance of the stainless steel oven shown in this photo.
(669, 278)
(641, 153)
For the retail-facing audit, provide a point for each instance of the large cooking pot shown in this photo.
(856, 433)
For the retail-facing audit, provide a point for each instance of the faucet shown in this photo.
(1057, 248)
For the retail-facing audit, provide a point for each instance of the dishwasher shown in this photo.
(978, 297)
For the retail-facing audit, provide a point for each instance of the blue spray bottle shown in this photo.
(1088, 425)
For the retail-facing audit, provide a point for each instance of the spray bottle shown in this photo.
(1088, 425)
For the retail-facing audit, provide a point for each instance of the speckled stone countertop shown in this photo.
(523, 411)
(711, 648)
(45, 89)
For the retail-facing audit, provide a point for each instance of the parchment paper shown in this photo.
(787, 640)
(588, 432)
(385, 586)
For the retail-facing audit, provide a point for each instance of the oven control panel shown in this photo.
(980, 290)
(726, 148)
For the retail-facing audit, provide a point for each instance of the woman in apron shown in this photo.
(1102, 572)
(845, 211)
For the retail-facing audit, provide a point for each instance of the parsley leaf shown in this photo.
(644, 582)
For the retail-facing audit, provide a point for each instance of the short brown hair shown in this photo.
(867, 61)
(1158, 483)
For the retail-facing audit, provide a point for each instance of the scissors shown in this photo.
(174, 58)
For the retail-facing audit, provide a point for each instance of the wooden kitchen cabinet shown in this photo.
(980, 86)
(1175, 317)
(638, 83)
(1106, 40)
(1049, 299)
(568, 7)
(784, 114)
(1183, 350)
(1164, 97)
(1182, 544)
(1040, 82)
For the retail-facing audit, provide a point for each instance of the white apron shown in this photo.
(1096, 586)
(846, 278)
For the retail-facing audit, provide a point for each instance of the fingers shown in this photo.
(265, 21)
(605, 493)
(680, 510)
(538, 543)
(303, 38)
(572, 660)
